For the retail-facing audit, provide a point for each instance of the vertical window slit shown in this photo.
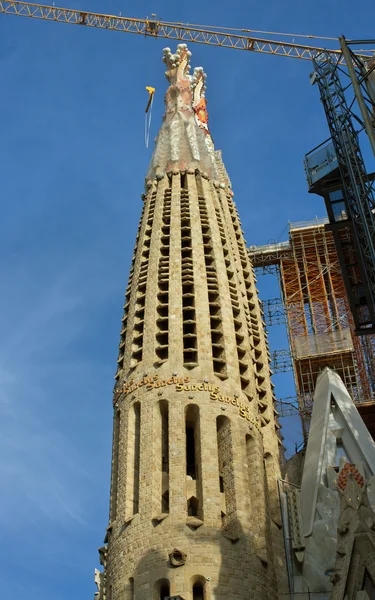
(161, 589)
(198, 588)
(163, 407)
(115, 461)
(137, 454)
(198, 593)
(133, 460)
(190, 452)
(193, 462)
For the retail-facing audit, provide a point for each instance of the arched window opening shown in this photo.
(164, 591)
(160, 452)
(164, 422)
(190, 451)
(198, 591)
(133, 459)
(193, 462)
(137, 454)
(161, 589)
(199, 588)
(192, 441)
(129, 589)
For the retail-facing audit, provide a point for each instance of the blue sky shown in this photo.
(73, 161)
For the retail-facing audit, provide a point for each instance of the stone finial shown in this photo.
(181, 144)
(178, 64)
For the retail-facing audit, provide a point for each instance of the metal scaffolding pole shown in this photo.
(358, 92)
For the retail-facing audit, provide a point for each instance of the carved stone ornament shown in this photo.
(355, 536)
(177, 558)
(98, 578)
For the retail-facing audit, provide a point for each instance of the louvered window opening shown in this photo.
(162, 319)
(124, 321)
(189, 324)
(252, 318)
(243, 364)
(139, 316)
(216, 319)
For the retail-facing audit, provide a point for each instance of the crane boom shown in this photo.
(156, 28)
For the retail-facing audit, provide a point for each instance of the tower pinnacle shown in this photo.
(182, 143)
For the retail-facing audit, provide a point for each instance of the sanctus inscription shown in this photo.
(183, 384)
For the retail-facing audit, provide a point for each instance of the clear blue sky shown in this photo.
(73, 160)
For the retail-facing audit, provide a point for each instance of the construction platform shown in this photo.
(320, 326)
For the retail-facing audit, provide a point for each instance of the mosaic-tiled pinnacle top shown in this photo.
(184, 142)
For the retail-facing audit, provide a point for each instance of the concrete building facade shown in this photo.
(194, 508)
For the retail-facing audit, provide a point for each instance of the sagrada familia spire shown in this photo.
(194, 508)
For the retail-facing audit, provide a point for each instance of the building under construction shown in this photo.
(320, 325)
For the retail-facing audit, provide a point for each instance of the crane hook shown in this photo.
(151, 92)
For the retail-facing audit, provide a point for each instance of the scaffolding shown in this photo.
(320, 326)
(273, 312)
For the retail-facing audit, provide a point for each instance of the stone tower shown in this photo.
(194, 509)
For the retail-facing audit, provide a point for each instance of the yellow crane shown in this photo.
(170, 30)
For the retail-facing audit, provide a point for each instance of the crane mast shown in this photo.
(345, 185)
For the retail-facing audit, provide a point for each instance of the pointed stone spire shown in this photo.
(183, 142)
(194, 400)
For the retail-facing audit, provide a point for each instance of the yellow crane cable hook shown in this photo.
(151, 92)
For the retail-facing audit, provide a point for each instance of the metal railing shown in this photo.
(311, 223)
(272, 247)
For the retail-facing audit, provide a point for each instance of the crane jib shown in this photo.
(177, 31)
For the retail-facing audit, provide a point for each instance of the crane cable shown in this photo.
(148, 114)
(241, 30)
